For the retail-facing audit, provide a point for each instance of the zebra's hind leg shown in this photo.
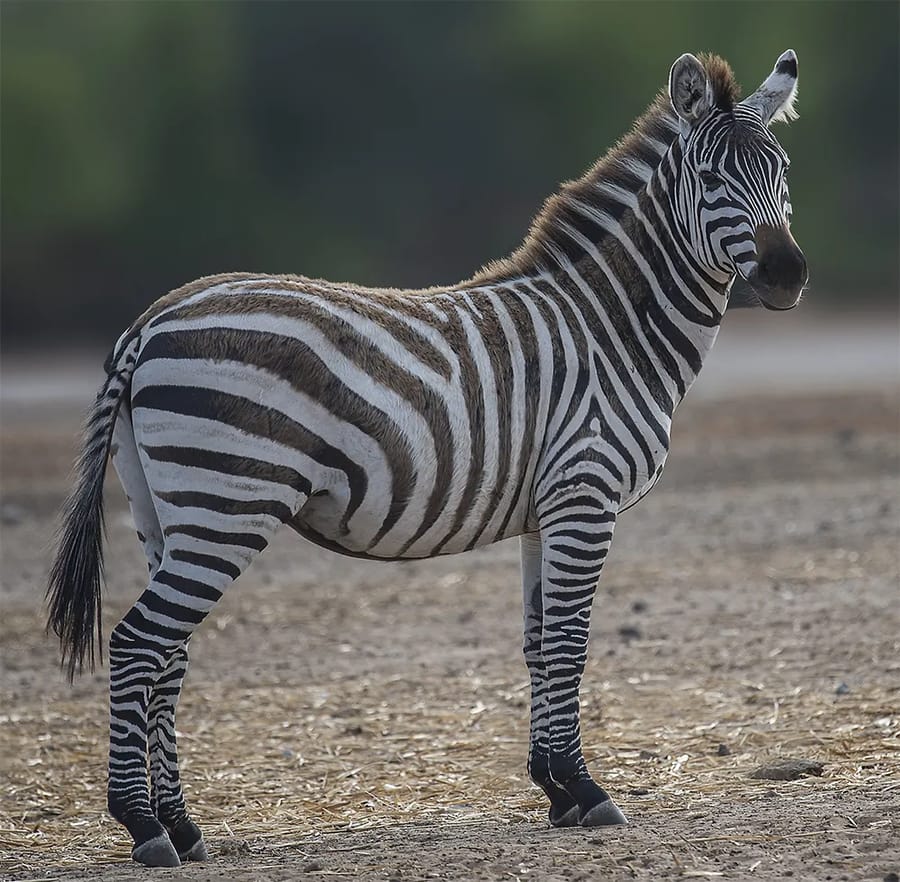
(166, 795)
(209, 539)
(144, 649)
(158, 849)
(564, 809)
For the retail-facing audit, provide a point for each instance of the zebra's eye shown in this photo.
(711, 180)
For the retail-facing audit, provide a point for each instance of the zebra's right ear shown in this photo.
(690, 91)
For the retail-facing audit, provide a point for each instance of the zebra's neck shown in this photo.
(634, 288)
(609, 243)
(635, 291)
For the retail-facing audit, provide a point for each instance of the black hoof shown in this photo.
(604, 814)
(188, 841)
(156, 852)
(197, 852)
(564, 817)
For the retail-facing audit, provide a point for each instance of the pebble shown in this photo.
(788, 770)
(841, 689)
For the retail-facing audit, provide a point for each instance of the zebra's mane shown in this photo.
(627, 167)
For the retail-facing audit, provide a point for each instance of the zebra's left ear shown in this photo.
(690, 91)
(774, 99)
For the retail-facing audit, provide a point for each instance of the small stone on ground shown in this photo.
(788, 770)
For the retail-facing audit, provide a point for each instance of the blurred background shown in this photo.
(145, 144)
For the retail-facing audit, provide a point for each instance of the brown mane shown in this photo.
(726, 90)
(658, 124)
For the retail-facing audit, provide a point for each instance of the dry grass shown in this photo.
(802, 597)
(277, 764)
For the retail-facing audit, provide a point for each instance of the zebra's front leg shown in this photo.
(166, 795)
(573, 553)
(564, 809)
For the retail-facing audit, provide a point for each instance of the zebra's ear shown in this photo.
(774, 99)
(690, 90)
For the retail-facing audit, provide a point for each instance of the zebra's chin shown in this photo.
(774, 298)
(773, 308)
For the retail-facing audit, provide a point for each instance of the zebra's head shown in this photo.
(730, 189)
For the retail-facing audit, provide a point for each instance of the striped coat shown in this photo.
(533, 400)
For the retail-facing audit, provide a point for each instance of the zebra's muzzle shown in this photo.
(781, 272)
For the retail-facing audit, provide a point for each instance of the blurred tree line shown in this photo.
(147, 143)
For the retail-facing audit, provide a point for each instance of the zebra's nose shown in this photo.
(783, 268)
(780, 262)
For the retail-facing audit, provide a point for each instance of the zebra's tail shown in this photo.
(73, 593)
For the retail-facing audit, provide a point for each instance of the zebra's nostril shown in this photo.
(784, 267)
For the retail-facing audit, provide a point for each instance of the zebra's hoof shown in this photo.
(188, 841)
(197, 852)
(604, 814)
(156, 852)
(565, 818)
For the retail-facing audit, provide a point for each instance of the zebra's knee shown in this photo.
(125, 643)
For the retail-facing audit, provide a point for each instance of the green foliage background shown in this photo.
(147, 143)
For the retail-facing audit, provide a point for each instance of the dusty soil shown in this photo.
(370, 721)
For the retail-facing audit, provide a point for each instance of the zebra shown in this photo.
(533, 400)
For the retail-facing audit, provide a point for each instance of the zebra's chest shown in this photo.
(642, 486)
(634, 454)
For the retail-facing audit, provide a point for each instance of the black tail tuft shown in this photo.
(73, 595)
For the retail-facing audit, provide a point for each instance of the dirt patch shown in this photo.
(345, 719)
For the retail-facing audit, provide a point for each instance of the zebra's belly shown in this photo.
(323, 521)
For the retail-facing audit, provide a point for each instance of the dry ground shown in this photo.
(350, 720)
